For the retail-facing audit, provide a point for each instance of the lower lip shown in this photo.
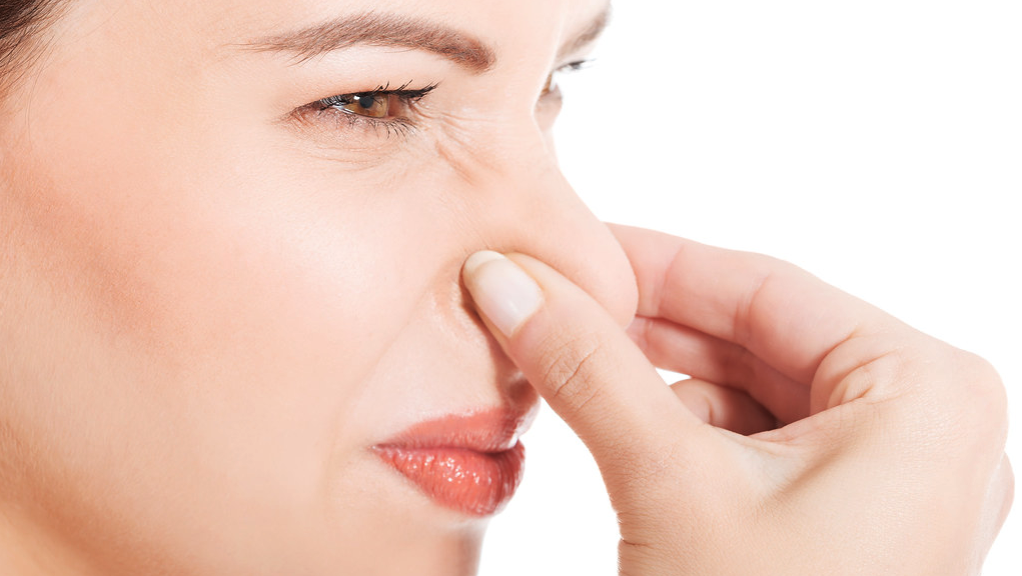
(468, 481)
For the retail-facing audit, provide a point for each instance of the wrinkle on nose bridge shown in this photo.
(465, 159)
(488, 149)
(457, 164)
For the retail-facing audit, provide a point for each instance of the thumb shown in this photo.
(579, 359)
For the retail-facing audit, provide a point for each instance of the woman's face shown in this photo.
(220, 297)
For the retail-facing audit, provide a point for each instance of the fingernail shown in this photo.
(502, 291)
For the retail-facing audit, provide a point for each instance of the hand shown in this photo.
(818, 435)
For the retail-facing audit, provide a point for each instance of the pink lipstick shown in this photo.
(469, 463)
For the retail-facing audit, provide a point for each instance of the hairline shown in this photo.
(24, 46)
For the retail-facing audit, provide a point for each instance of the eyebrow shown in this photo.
(587, 36)
(392, 31)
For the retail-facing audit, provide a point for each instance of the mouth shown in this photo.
(470, 463)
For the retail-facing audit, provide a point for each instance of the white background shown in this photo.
(876, 143)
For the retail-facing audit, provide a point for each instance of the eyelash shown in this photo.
(397, 124)
(575, 66)
(407, 98)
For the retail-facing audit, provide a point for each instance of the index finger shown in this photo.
(780, 313)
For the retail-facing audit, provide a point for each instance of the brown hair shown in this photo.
(21, 21)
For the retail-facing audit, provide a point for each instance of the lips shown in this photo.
(469, 463)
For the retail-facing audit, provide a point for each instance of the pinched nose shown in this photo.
(528, 207)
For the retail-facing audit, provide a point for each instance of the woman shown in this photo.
(243, 332)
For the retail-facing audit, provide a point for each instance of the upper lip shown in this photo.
(489, 430)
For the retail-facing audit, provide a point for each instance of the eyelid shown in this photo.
(403, 93)
(576, 65)
(327, 110)
(551, 87)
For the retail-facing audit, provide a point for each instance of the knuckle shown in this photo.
(984, 396)
(1007, 490)
(982, 372)
(568, 368)
(746, 309)
(768, 274)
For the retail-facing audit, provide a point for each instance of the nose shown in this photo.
(523, 203)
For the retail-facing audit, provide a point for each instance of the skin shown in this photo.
(209, 315)
(818, 435)
(210, 312)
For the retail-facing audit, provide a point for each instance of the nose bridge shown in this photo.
(527, 206)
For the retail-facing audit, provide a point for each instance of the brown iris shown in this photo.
(372, 104)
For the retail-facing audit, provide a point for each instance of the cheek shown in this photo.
(255, 303)
(233, 320)
(250, 274)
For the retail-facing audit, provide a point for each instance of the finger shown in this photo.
(578, 358)
(1000, 496)
(724, 407)
(781, 314)
(686, 350)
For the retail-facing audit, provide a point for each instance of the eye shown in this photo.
(382, 105)
(551, 87)
(369, 104)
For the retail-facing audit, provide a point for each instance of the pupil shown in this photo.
(366, 100)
